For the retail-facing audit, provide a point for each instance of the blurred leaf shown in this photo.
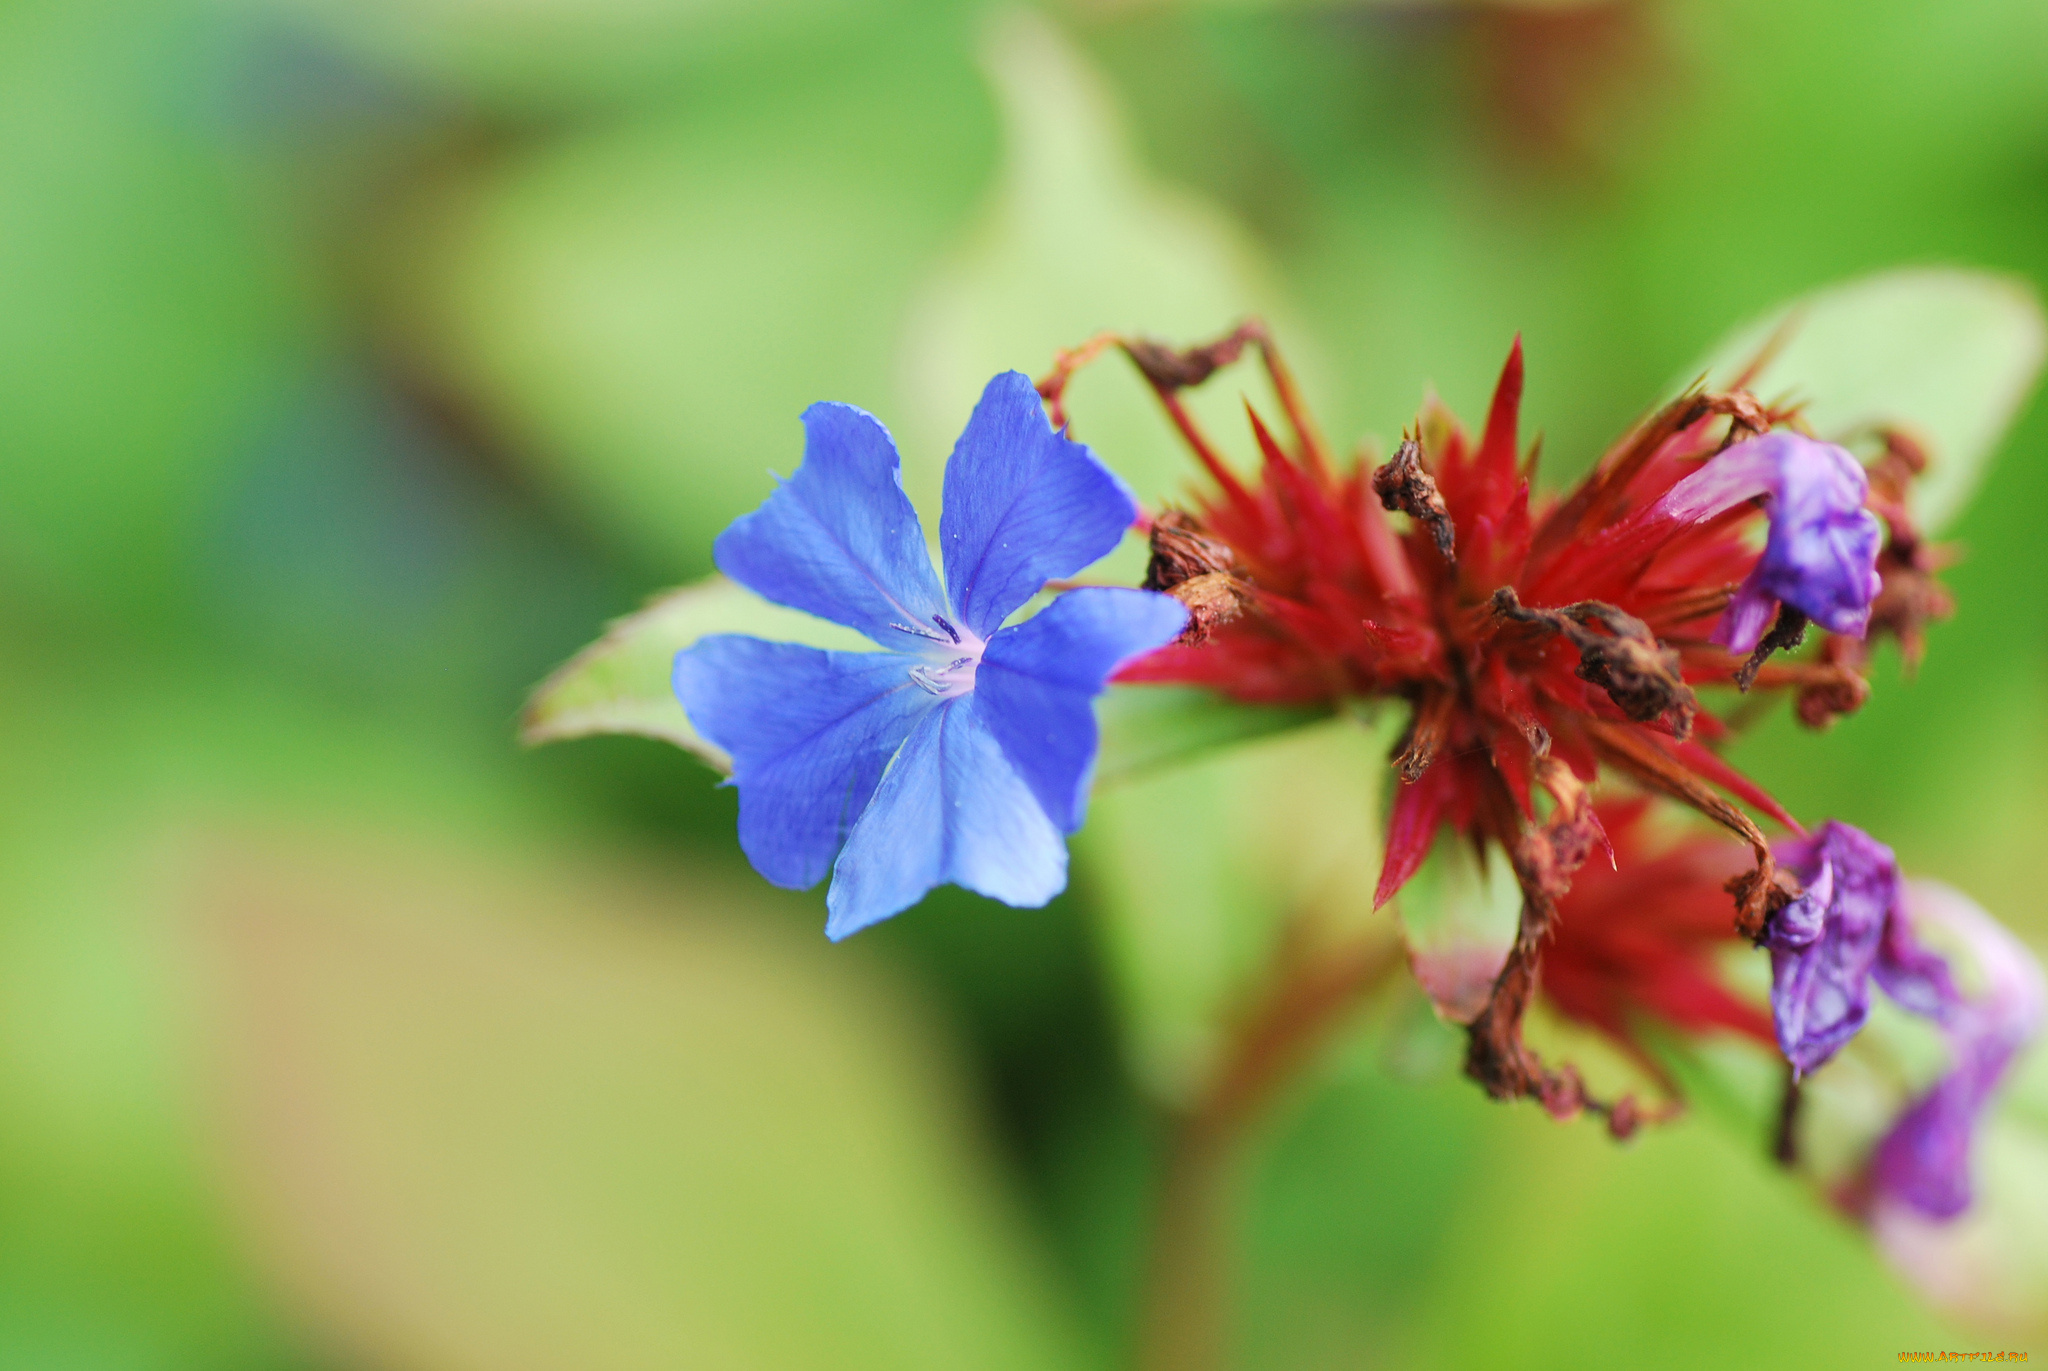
(1198, 867)
(643, 309)
(1949, 355)
(488, 1117)
(621, 682)
(1583, 1253)
(526, 54)
(1145, 727)
(1077, 240)
(148, 309)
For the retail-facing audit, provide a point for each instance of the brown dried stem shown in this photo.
(1169, 370)
(1545, 860)
(1758, 892)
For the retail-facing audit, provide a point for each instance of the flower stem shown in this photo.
(1186, 1315)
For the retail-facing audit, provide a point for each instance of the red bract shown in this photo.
(1635, 939)
(1538, 640)
(1342, 604)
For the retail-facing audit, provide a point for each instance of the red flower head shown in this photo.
(1635, 940)
(1539, 640)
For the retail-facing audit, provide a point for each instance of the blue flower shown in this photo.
(1820, 556)
(963, 750)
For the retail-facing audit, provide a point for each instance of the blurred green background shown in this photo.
(358, 360)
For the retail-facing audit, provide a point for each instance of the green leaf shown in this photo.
(544, 56)
(1948, 354)
(492, 1112)
(620, 683)
(139, 255)
(1145, 727)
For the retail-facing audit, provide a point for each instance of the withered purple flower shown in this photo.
(1825, 944)
(1923, 1163)
(1820, 556)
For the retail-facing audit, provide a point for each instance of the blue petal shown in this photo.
(1037, 681)
(1023, 505)
(950, 809)
(809, 732)
(839, 539)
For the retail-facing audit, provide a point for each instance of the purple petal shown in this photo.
(1748, 616)
(1821, 554)
(1915, 977)
(809, 732)
(839, 539)
(1824, 945)
(1038, 681)
(1923, 1163)
(1023, 505)
(950, 808)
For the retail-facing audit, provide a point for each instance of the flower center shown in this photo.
(952, 654)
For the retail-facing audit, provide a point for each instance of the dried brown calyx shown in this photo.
(1197, 570)
(1901, 460)
(1402, 484)
(1747, 415)
(1638, 673)
(1759, 894)
(1836, 686)
(1910, 598)
(1549, 855)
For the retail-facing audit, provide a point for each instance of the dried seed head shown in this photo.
(1403, 484)
(1760, 893)
(1182, 551)
(1198, 571)
(1639, 673)
(1838, 687)
(1911, 598)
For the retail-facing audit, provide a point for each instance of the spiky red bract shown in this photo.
(1342, 605)
(1636, 939)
